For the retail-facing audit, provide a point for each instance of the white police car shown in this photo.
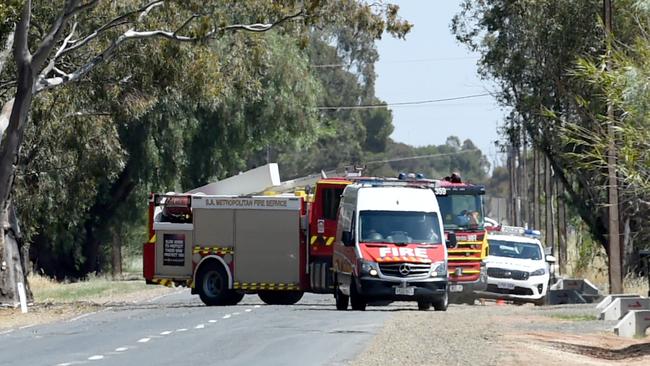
(517, 267)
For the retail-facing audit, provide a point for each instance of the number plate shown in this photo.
(408, 291)
(506, 285)
(455, 288)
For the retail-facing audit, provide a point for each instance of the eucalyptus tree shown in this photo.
(63, 43)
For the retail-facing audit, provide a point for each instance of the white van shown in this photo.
(390, 246)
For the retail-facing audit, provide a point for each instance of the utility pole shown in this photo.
(615, 274)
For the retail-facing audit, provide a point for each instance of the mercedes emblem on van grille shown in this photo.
(404, 269)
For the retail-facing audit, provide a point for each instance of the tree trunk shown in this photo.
(561, 228)
(523, 190)
(510, 213)
(11, 259)
(99, 215)
(627, 256)
(536, 193)
(11, 265)
(548, 197)
(116, 254)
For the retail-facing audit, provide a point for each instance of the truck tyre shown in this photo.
(356, 299)
(424, 305)
(280, 297)
(234, 297)
(213, 284)
(441, 303)
(341, 300)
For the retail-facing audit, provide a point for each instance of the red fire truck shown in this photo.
(222, 246)
(461, 205)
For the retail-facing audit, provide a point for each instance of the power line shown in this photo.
(417, 60)
(421, 157)
(384, 105)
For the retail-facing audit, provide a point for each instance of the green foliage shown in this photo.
(157, 114)
(558, 70)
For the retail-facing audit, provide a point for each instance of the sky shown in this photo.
(431, 64)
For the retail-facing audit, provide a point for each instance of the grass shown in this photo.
(635, 285)
(574, 317)
(95, 289)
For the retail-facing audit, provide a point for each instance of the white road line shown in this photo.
(248, 310)
(200, 326)
(182, 330)
(121, 349)
(166, 332)
(88, 314)
(27, 326)
(257, 306)
(144, 340)
(226, 316)
(95, 357)
(6, 331)
(64, 364)
(236, 313)
(212, 321)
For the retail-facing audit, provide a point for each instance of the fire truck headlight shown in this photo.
(438, 269)
(539, 272)
(373, 272)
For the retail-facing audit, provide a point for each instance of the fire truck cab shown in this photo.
(461, 205)
(389, 246)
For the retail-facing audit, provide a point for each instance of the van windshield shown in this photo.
(511, 249)
(399, 227)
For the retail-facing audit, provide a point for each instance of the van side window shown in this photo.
(331, 200)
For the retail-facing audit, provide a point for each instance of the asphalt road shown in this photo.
(178, 330)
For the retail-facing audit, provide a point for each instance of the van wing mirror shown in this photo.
(451, 241)
(347, 238)
(550, 259)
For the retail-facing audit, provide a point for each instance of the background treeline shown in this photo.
(558, 70)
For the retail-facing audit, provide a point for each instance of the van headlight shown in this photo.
(539, 272)
(438, 269)
(368, 267)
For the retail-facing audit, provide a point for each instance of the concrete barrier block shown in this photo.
(621, 306)
(587, 290)
(634, 324)
(561, 297)
(609, 298)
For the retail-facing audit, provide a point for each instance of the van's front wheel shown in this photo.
(441, 302)
(357, 300)
(424, 305)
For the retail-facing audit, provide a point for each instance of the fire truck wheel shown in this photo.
(441, 303)
(356, 299)
(341, 300)
(234, 297)
(280, 297)
(424, 305)
(213, 285)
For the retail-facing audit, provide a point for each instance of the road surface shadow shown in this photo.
(632, 351)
